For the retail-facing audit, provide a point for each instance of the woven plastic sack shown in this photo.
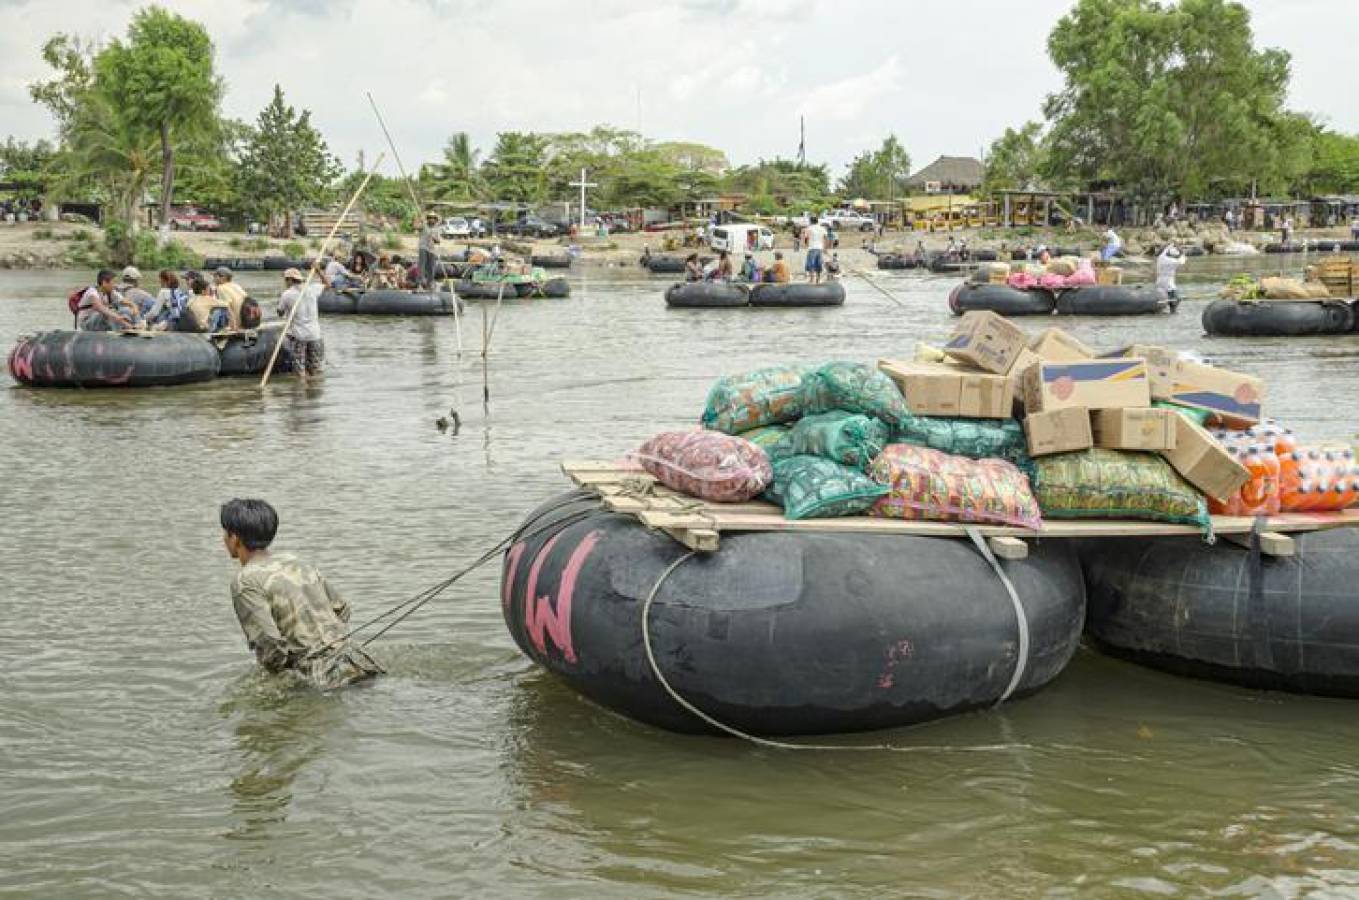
(973, 438)
(766, 436)
(1113, 484)
(707, 464)
(932, 485)
(809, 487)
(850, 439)
(738, 403)
(857, 388)
(1197, 416)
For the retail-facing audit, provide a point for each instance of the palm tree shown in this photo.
(456, 178)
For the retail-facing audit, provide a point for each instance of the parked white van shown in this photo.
(741, 237)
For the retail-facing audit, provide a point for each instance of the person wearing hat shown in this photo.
(1169, 260)
(429, 239)
(750, 270)
(139, 301)
(230, 291)
(304, 333)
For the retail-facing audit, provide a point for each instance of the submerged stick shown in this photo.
(877, 286)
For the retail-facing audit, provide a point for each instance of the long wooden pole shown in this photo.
(879, 287)
(410, 185)
(311, 272)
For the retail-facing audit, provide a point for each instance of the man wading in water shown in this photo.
(291, 617)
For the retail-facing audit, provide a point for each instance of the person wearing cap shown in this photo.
(304, 333)
(750, 270)
(136, 298)
(429, 239)
(230, 291)
(336, 276)
(1169, 260)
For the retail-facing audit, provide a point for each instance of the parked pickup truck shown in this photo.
(186, 218)
(840, 220)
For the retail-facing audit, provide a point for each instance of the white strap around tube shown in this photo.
(1023, 623)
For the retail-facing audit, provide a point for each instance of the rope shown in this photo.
(1023, 623)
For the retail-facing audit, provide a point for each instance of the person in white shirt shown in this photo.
(1169, 260)
(814, 237)
(304, 334)
(336, 276)
(1112, 244)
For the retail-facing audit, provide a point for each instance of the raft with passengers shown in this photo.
(719, 284)
(840, 547)
(1069, 286)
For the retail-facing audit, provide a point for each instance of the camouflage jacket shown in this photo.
(293, 619)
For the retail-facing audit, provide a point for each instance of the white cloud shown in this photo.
(848, 99)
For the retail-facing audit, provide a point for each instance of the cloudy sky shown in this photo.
(946, 77)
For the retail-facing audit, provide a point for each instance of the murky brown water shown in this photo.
(142, 755)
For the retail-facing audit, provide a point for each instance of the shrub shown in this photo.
(235, 243)
(294, 249)
(391, 240)
(148, 253)
(82, 236)
(257, 245)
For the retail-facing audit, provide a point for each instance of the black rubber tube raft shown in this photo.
(666, 264)
(897, 261)
(551, 261)
(248, 353)
(1001, 299)
(89, 359)
(552, 287)
(785, 633)
(706, 294)
(826, 293)
(1223, 613)
(388, 303)
(1111, 300)
(1265, 318)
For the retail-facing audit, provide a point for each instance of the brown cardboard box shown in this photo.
(1091, 383)
(1056, 345)
(987, 341)
(1023, 361)
(1161, 366)
(1233, 398)
(1203, 462)
(1059, 431)
(1135, 429)
(940, 389)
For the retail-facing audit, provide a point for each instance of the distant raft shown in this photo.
(706, 294)
(1275, 318)
(1220, 612)
(91, 359)
(510, 290)
(784, 633)
(826, 293)
(388, 303)
(1001, 299)
(1111, 300)
(893, 261)
(551, 260)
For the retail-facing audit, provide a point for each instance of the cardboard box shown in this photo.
(1023, 361)
(1203, 462)
(1056, 345)
(987, 341)
(1058, 431)
(1091, 383)
(940, 389)
(1135, 429)
(1234, 398)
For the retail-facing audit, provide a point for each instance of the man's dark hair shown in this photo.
(103, 276)
(815, 219)
(253, 521)
(198, 285)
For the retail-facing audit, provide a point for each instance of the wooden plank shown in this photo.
(700, 540)
(1272, 543)
(1008, 547)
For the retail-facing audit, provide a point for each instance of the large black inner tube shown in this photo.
(1001, 299)
(112, 359)
(1110, 300)
(785, 633)
(827, 293)
(551, 261)
(1265, 318)
(706, 294)
(248, 353)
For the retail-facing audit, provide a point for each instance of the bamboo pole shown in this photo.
(311, 272)
(879, 287)
(486, 330)
(410, 185)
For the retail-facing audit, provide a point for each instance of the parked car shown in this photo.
(456, 227)
(739, 238)
(186, 218)
(849, 220)
(531, 226)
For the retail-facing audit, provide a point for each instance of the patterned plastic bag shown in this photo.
(809, 487)
(973, 438)
(932, 485)
(1113, 484)
(738, 403)
(857, 388)
(707, 464)
(848, 438)
(766, 436)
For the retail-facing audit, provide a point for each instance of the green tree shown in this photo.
(26, 164)
(1168, 100)
(516, 170)
(782, 184)
(693, 157)
(1334, 166)
(285, 163)
(455, 178)
(878, 173)
(163, 78)
(1015, 159)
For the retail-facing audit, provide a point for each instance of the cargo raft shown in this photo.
(1088, 300)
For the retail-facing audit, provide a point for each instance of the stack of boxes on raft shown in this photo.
(1014, 437)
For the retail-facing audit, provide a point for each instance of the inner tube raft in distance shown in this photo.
(551, 261)
(706, 294)
(1216, 612)
(667, 264)
(873, 631)
(1001, 299)
(827, 293)
(89, 359)
(388, 303)
(897, 261)
(1111, 300)
(552, 287)
(1289, 318)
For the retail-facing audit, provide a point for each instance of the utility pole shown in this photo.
(802, 140)
(582, 184)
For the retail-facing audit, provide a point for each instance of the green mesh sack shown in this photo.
(857, 388)
(809, 487)
(766, 436)
(973, 438)
(738, 403)
(850, 439)
(1197, 416)
(1113, 484)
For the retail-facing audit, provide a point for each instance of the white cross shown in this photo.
(582, 184)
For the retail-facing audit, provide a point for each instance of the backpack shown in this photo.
(73, 300)
(251, 314)
(219, 320)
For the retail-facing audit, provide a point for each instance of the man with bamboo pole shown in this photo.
(304, 327)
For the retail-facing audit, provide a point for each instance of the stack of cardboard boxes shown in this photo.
(1072, 400)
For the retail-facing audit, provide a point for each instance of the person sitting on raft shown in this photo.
(101, 308)
(778, 273)
(336, 276)
(292, 618)
(1112, 244)
(360, 266)
(833, 267)
(228, 290)
(132, 294)
(723, 269)
(750, 270)
(693, 269)
(388, 273)
(206, 313)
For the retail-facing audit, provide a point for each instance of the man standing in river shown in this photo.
(814, 236)
(292, 619)
(429, 239)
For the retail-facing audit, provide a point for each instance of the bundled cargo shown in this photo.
(706, 464)
(851, 439)
(765, 436)
(813, 487)
(767, 396)
(1112, 484)
(972, 438)
(853, 387)
(931, 485)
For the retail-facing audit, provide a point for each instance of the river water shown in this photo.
(141, 753)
